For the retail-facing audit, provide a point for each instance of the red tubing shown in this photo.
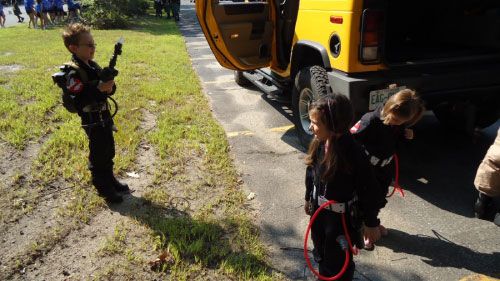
(396, 182)
(346, 263)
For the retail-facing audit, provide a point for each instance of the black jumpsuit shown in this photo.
(381, 141)
(96, 118)
(357, 179)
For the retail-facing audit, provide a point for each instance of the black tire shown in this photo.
(310, 84)
(488, 111)
(240, 79)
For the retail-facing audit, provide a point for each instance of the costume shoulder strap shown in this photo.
(82, 72)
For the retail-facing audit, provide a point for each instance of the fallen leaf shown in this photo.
(422, 180)
(133, 175)
(160, 259)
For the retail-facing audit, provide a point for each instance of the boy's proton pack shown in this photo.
(107, 74)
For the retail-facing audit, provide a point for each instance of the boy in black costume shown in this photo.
(89, 95)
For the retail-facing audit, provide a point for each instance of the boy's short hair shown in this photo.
(71, 35)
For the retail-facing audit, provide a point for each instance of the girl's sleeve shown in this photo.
(360, 129)
(309, 183)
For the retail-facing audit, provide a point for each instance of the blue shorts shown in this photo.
(1, 13)
(29, 10)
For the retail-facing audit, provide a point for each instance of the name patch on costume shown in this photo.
(74, 85)
(355, 128)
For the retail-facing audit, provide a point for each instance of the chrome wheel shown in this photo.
(305, 100)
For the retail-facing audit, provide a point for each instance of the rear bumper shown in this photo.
(435, 85)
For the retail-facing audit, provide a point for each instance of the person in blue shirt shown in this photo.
(52, 10)
(45, 9)
(59, 10)
(38, 13)
(2, 16)
(71, 10)
(30, 10)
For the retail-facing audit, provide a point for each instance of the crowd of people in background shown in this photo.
(44, 14)
(169, 6)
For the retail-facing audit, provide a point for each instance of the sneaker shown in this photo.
(383, 230)
(368, 245)
(482, 205)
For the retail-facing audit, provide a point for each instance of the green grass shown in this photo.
(218, 238)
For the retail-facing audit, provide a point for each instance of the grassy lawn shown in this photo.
(214, 239)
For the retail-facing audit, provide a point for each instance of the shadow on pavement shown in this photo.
(435, 251)
(448, 161)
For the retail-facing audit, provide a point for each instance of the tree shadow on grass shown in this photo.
(441, 252)
(189, 240)
(154, 26)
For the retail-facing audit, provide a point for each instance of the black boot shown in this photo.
(105, 188)
(481, 205)
(120, 187)
(497, 219)
(316, 256)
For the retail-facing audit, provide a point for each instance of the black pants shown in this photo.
(325, 229)
(101, 140)
(384, 177)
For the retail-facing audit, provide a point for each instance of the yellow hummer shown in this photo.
(447, 50)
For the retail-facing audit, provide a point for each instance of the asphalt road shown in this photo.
(433, 234)
(11, 19)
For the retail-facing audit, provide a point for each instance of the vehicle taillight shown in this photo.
(371, 36)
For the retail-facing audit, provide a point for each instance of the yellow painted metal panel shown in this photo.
(313, 23)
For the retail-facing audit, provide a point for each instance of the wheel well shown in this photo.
(307, 54)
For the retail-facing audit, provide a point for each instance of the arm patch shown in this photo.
(74, 85)
(355, 128)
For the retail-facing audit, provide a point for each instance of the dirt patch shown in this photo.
(10, 68)
(15, 179)
(80, 254)
(28, 211)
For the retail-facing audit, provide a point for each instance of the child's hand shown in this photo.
(106, 87)
(307, 207)
(409, 134)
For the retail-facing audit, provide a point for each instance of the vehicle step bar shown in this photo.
(275, 90)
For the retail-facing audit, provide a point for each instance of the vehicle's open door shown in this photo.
(242, 35)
